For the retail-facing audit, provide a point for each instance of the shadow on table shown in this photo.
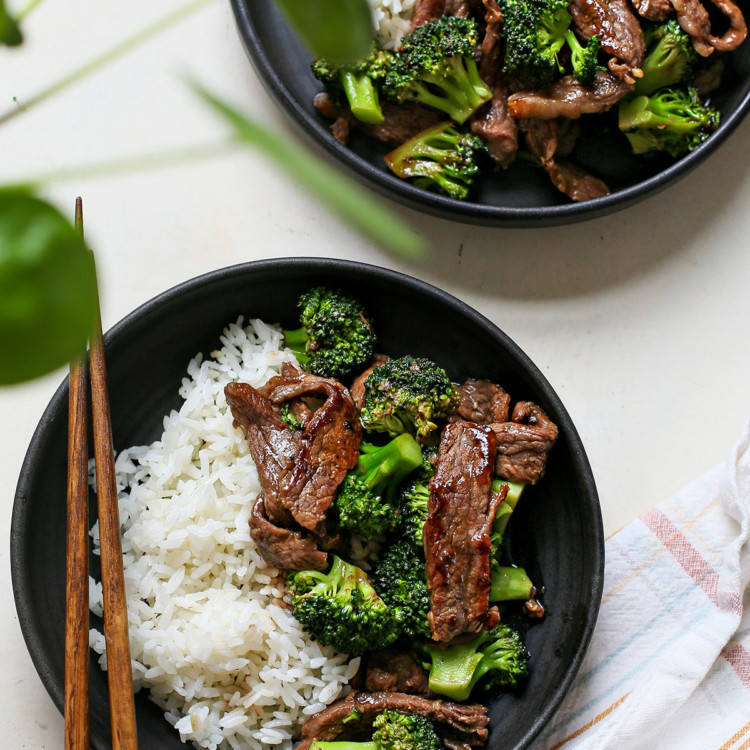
(590, 256)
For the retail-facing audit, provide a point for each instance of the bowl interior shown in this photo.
(556, 532)
(522, 195)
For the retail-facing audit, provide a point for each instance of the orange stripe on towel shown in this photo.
(735, 737)
(593, 721)
(690, 560)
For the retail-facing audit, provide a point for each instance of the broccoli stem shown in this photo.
(362, 96)
(507, 506)
(296, 340)
(460, 95)
(344, 746)
(510, 584)
(383, 468)
(453, 668)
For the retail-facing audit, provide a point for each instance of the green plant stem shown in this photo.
(128, 164)
(26, 10)
(100, 61)
(339, 193)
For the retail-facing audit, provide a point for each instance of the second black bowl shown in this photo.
(521, 196)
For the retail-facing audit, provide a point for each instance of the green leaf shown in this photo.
(47, 288)
(323, 181)
(339, 30)
(10, 33)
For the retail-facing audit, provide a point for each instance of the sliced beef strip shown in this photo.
(400, 121)
(328, 444)
(431, 10)
(737, 31)
(273, 446)
(286, 549)
(543, 141)
(358, 386)
(568, 97)
(524, 443)
(617, 28)
(483, 402)
(653, 10)
(461, 510)
(458, 721)
(493, 123)
(394, 670)
(694, 20)
(299, 470)
(576, 182)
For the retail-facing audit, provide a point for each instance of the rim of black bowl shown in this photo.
(21, 586)
(449, 208)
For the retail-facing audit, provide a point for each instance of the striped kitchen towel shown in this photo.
(669, 663)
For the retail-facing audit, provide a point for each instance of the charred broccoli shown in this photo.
(671, 120)
(336, 336)
(415, 495)
(440, 158)
(498, 655)
(535, 33)
(357, 82)
(435, 65)
(393, 731)
(341, 608)
(367, 501)
(405, 394)
(400, 580)
(670, 59)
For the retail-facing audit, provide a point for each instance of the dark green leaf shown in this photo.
(47, 288)
(339, 30)
(10, 33)
(325, 183)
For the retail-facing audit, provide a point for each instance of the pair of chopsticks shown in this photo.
(122, 705)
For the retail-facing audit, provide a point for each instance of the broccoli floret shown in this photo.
(671, 120)
(535, 33)
(367, 501)
(341, 608)
(415, 495)
(584, 59)
(401, 582)
(358, 82)
(405, 395)
(670, 59)
(435, 65)
(440, 158)
(498, 655)
(393, 731)
(336, 336)
(397, 731)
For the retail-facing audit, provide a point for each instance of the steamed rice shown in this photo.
(392, 19)
(210, 635)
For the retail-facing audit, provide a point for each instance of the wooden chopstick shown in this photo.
(77, 557)
(119, 675)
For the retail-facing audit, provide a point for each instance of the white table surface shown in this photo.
(640, 320)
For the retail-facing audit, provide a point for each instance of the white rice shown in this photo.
(210, 635)
(392, 19)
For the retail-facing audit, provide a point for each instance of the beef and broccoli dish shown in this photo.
(386, 492)
(474, 84)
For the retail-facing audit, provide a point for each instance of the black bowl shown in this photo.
(556, 532)
(520, 196)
